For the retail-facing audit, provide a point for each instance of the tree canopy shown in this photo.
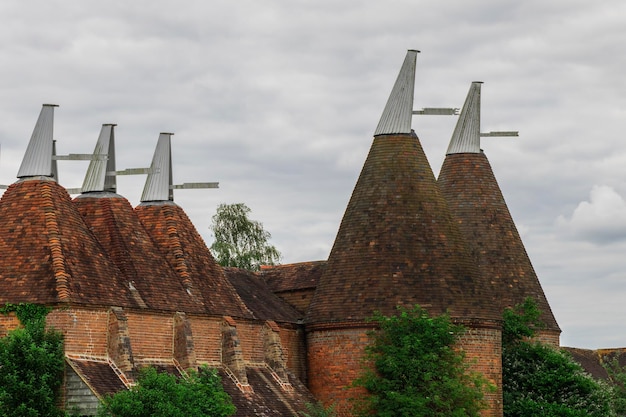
(543, 380)
(239, 241)
(164, 395)
(31, 365)
(417, 371)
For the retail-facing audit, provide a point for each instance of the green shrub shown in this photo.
(31, 366)
(417, 371)
(164, 395)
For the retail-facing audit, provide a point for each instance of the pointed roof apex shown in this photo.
(159, 182)
(396, 117)
(466, 136)
(37, 160)
(101, 172)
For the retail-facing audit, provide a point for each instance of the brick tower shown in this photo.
(397, 245)
(474, 197)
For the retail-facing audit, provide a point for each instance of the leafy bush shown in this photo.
(417, 371)
(539, 380)
(164, 395)
(31, 365)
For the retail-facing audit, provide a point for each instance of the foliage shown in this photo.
(28, 314)
(318, 410)
(617, 380)
(163, 395)
(542, 380)
(521, 322)
(239, 241)
(417, 371)
(31, 365)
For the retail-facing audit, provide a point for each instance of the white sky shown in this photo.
(278, 100)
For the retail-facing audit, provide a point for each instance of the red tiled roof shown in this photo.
(398, 244)
(593, 361)
(98, 375)
(117, 227)
(290, 277)
(183, 247)
(259, 298)
(268, 398)
(468, 184)
(49, 254)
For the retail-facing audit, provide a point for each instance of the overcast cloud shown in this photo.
(278, 100)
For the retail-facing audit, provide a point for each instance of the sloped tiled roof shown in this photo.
(290, 277)
(398, 244)
(49, 254)
(98, 376)
(259, 298)
(183, 247)
(475, 199)
(593, 361)
(468, 184)
(268, 399)
(119, 230)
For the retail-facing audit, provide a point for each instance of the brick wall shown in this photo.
(334, 359)
(549, 337)
(8, 323)
(251, 338)
(85, 330)
(151, 335)
(207, 338)
(483, 352)
(292, 341)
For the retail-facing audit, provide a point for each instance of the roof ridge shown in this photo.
(53, 234)
(177, 249)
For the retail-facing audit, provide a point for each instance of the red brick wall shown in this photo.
(549, 337)
(251, 338)
(483, 352)
(207, 338)
(85, 330)
(292, 341)
(152, 335)
(7, 323)
(334, 359)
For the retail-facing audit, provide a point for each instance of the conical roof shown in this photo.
(180, 243)
(49, 253)
(398, 244)
(476, 201)
(122, 235)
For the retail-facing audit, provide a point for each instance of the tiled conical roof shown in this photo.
(180, 243)
(118, 229)
(49, 253)
(397, 243)
(476, 201)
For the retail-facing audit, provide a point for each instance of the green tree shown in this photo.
(617, 379)
(540, 380)
(163, 395)
(239, 241)
(31, 365)
(417, 371)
